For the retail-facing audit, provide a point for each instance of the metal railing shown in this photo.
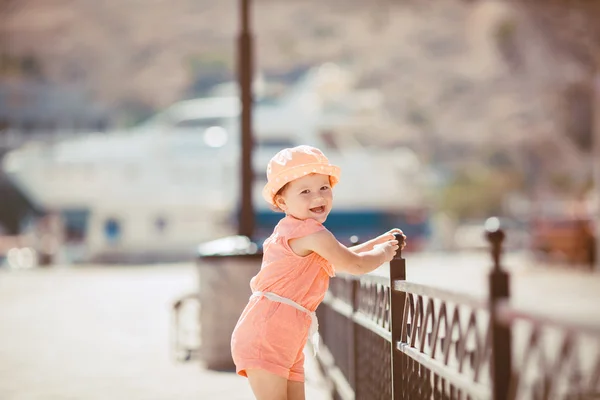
(387, 338)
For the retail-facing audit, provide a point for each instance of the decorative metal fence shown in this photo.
(355, 327)
(387, 338)
(553, 359)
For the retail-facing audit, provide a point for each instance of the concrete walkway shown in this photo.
(103, 332)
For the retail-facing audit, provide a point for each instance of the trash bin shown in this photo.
(225, 267)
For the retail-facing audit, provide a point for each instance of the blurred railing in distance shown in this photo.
(185, 334)
(388, 338)
(552, 358)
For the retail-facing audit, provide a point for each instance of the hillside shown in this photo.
(459, 76)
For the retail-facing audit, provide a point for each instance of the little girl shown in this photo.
(299, 258)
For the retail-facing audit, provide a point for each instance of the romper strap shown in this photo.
(313, 331)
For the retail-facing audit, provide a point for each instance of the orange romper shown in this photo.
(271, 335)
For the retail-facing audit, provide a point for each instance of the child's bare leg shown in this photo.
(295, 390)
(267, 386)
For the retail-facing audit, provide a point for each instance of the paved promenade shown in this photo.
(102, 333)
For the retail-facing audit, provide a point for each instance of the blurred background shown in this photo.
(120, 136)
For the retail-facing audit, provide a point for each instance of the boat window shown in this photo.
(198, 123)
(75, 225)
(160, 223)
(274, 142)
(112, 230)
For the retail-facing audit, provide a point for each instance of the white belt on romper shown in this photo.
(313, 331)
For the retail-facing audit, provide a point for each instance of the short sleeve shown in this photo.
(292, 228)
(304, 228)
(308, 227)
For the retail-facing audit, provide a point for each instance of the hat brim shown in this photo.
(285, 177)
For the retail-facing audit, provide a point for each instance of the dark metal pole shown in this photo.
(499, 289)
(246, 221)
(596, 166)
(397, 302)
(4, 10)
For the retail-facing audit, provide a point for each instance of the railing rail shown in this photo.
(388, 338)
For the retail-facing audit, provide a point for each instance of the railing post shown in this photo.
(499, 285)
(354, 381)
(397, 301)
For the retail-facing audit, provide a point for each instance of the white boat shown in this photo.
(159, 189)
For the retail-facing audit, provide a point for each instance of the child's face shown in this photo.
(307, 197)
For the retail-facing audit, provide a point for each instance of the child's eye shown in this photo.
(305, 191)
(325, 188)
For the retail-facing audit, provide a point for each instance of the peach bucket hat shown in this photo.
(293, 163)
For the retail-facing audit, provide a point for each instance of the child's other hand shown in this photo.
(389, 249)
(389, 235)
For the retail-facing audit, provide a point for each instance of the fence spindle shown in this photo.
(397, 301)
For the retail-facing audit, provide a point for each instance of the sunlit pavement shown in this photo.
(103, 332)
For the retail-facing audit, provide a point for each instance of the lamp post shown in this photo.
(596, 165)
(246, 217)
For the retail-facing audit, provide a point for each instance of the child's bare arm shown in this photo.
(367, 246)
(343, 259)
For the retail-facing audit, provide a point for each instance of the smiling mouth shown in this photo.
(318, 210)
